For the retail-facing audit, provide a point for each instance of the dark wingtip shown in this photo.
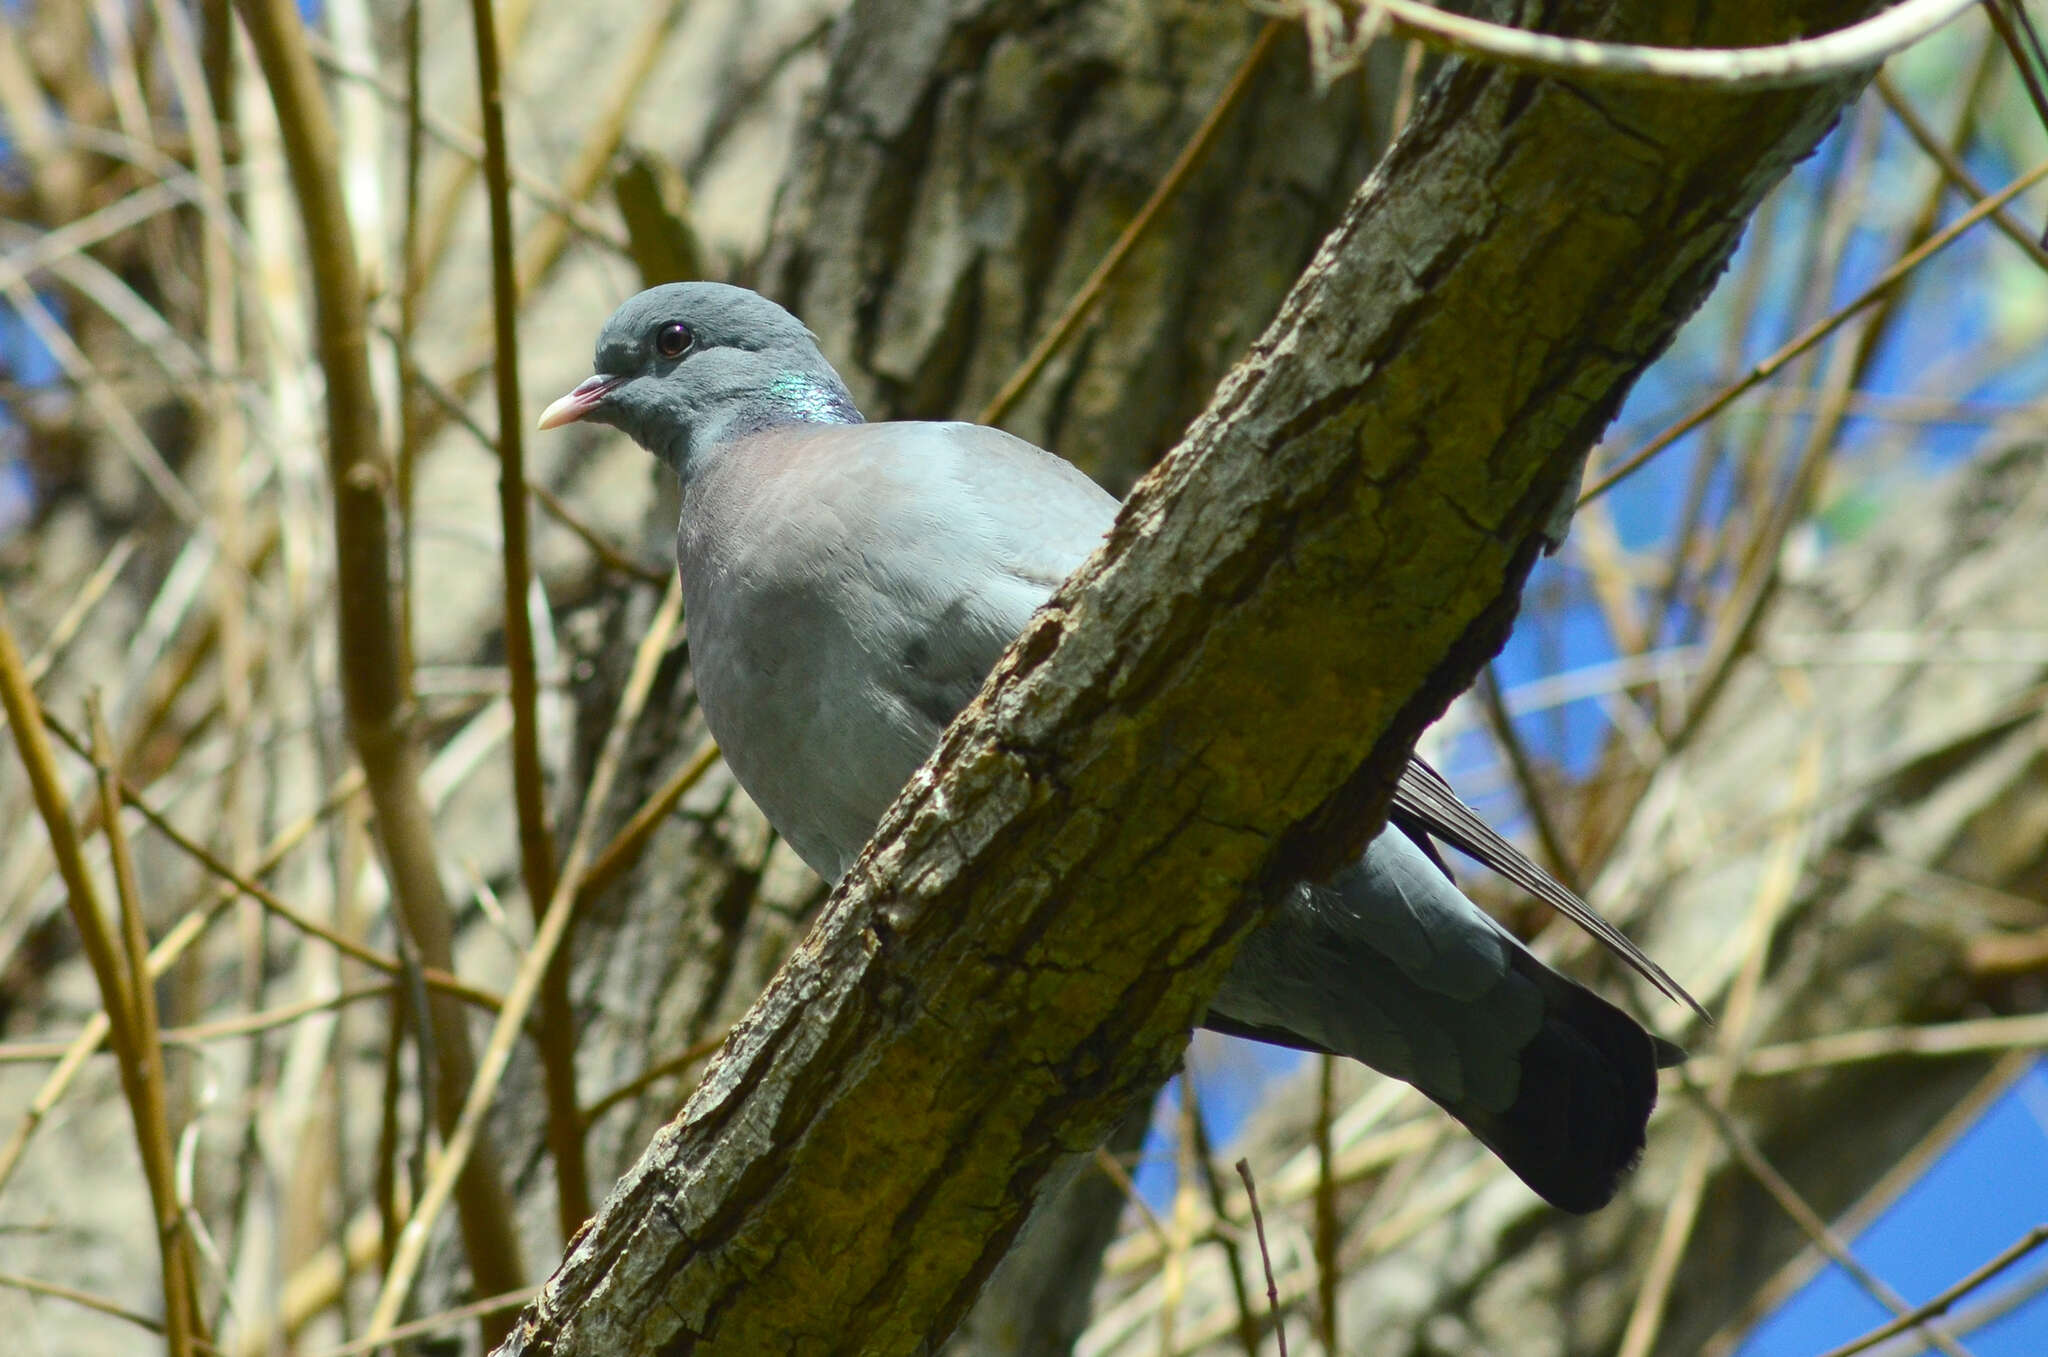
(1588, 1082)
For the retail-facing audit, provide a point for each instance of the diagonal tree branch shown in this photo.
(1217, 704)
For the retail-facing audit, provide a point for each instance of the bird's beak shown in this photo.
(579, 402)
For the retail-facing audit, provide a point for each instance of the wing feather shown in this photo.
(1425, 803)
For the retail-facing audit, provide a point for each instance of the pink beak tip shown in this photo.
(578, 403)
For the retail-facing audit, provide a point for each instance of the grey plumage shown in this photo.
(849, 586)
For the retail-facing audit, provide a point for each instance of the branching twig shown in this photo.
(1226, 1238)
(438, 979)
(1945, 1301)
(1771, 366)
(1812, 1225)
(143, 1046)
(1954, 169)
(182, 1322)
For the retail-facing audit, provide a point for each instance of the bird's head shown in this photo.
(685, 367)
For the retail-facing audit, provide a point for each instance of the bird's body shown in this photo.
(801, 610)
(849, 586)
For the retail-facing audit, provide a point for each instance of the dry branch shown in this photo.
(129, 1018)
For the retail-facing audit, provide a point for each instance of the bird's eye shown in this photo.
(673, 340)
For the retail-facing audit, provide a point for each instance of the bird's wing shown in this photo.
(849, 588)
(1020, 521)
(1425, 804)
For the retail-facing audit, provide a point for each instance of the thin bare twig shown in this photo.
(36, 1286)
(1872, 1203)
(609, 555)
(452, 408)
(1774, 892)
(623, 90)
(1329, 1233)
(1954, 169)
(446, 1319)
(161, 958)
(2007, 21)
(1180, 1234)
(1945, 1301)
(1502, 724)
(584, 222)
(1820, 330)
(1112, 1169)
(1941, 1041)
(652, 1075)
(1184, 164)
(1803, 61)
(1226, 1238)
(624, 850)
(1251, 1191)
(438, 979)
(1757, 577)
(556, 1031)
(182, 1323)
(1813, 1226)
(460, 1142)
(410, 284)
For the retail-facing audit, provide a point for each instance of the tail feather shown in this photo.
(1389, 964)
(1588, 1083)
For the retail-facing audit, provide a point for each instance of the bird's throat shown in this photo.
(791, 398)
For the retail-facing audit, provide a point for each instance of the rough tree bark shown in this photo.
(1189, 722)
